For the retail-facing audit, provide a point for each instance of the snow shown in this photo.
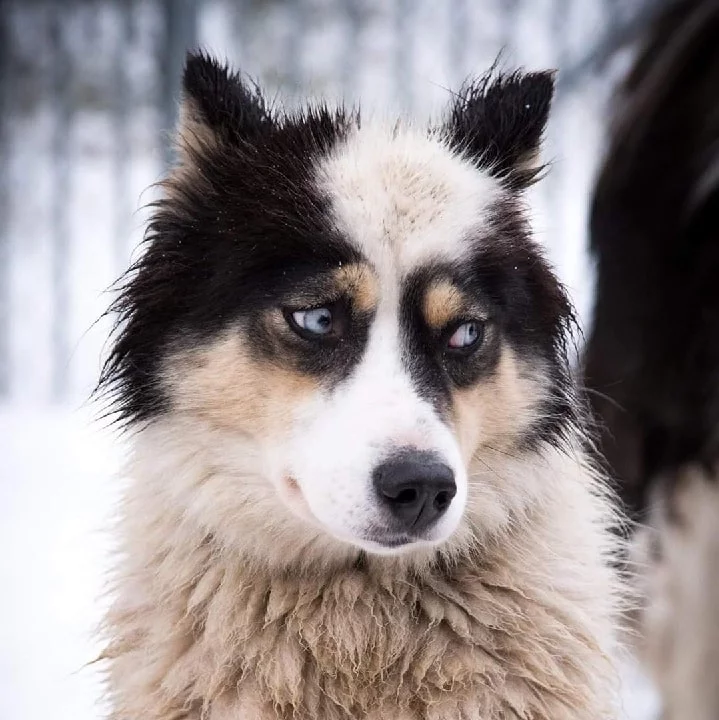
(56, 497)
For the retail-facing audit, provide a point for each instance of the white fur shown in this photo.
(338, 440)
(204, 541)
(405, 199)
(677, 562)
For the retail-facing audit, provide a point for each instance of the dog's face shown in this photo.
(348, 323)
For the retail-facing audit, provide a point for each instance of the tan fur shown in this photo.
(193, 135)
(679, 568)
(516, 628)
(359, 283)
(225, 387)
(494, 412)
(443, 303)
(488, 418)
(356, 282)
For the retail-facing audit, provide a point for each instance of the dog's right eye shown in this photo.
(315, 323)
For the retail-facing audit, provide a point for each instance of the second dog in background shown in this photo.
(653, 355)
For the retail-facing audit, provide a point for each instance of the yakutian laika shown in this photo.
(358, 488)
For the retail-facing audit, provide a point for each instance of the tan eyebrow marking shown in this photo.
(443, 302)
(355, 281)
(360, 284)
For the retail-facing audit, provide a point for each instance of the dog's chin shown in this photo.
(395, 544)
(389, 542)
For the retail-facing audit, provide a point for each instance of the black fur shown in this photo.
(434, 369)
(524, 305)
(535, 313)
(242, 232)
(499, 121)
(652, 362)
(234, 110)
(329, 358)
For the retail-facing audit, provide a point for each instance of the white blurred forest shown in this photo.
(88, 94)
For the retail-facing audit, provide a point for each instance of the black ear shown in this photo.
(499, 120)
(217, 106)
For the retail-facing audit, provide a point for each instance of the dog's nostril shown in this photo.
(408, 495)
(442, 500)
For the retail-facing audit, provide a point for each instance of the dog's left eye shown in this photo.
(466, 336)
(318, 321)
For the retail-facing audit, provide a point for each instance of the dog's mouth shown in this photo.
(378, 538)
(388, 542)
(393, 542)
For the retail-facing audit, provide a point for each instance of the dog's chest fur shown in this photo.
(488, 638)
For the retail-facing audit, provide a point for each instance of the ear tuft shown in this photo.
(217, 106)
(499, 120)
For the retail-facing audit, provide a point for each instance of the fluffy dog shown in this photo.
(358, 486)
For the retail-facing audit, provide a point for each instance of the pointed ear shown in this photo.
(217, 106)
(499, 121)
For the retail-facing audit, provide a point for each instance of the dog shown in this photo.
(652, 360)
(359, 484)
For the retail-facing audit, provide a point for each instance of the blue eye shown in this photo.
(466, 335)
(317, 321)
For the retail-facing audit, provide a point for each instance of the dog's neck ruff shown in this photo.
(203, 633)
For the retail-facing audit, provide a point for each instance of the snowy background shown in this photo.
(88, 89)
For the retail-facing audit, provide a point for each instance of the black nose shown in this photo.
(416, 487)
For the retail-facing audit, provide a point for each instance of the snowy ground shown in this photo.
(56, 496)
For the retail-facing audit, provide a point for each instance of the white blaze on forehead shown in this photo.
(404, 197)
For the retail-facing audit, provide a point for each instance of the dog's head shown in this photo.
(344, 328)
